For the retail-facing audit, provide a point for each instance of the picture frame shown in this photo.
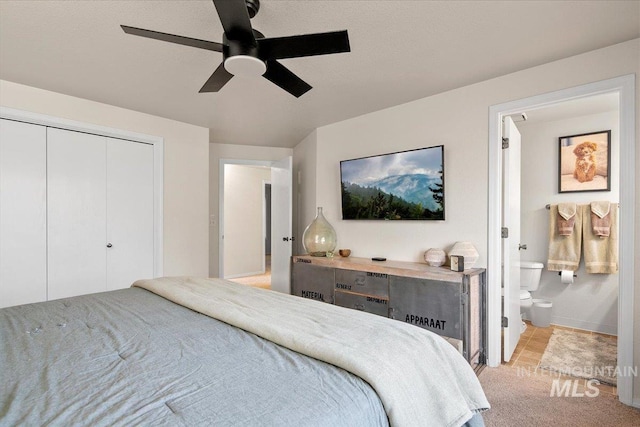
(584, 162)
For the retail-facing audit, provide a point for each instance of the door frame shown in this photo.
(625, 87)
(158, 163)
(266, 218)
(281, 224)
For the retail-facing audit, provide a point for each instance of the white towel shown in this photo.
(567, 210)
(601, 208)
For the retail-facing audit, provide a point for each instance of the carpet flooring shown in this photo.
(581, 355)
(523, 398)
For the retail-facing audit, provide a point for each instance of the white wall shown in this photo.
(591, 302)
(459, 119)
(218, 152)
(186, 186)
(244, 230)
(358, 138)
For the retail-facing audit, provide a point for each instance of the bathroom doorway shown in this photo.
(585, 311)
(591, 303)
(624, 87)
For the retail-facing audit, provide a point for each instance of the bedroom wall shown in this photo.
(459, 119)
(244, 219)
(591, 302)
(185, 167)
(218, 152)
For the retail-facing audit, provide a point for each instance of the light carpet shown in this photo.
(523, 398)
(588, 356)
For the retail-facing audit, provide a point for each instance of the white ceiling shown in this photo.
(400, 51)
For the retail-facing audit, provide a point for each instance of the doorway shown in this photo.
(263, 278)
(591, 303)
(247, 226)
(625, 88)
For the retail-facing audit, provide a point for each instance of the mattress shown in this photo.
(131, 357)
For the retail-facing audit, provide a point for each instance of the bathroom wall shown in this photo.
(591, 301)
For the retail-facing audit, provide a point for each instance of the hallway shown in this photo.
(260, 280)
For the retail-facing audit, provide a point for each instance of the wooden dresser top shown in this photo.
(395, 268)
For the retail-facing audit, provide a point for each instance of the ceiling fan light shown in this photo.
(244, 65)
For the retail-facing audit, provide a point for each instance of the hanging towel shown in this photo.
(564, 251)
(566, 218)
(600, 218)
(600, 252)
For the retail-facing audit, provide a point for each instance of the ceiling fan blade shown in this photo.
(218, 79)
(304, 45)
(283, 77)
(172, 38)
(235, 20)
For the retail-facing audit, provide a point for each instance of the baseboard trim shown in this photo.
(585, 325)
(235, 276)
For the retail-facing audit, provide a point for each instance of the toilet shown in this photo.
(529, 281)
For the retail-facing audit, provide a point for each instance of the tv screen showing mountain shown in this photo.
(407, 185)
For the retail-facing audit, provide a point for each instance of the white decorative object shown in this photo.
(435, 257)
(566, 277)
(466, 250)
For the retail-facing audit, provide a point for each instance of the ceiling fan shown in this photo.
(247, 52)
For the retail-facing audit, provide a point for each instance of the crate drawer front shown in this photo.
(429, 304)
(369, 303)
(363, 282)
(313, 282)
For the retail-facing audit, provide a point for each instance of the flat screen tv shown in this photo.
(407, 185)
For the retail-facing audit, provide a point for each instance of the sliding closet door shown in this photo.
(129, 212)
(76, 185)
(23, 235)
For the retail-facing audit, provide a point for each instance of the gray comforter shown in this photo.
(418, 376)
(130, 357)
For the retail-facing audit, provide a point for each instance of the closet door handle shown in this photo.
(109, 245)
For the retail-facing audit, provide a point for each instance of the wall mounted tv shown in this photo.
(407, 185)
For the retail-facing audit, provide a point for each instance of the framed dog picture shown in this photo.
(585, 162)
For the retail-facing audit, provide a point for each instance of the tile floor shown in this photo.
(532, 344)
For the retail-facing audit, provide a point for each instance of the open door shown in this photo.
(281, 224)
(511, 238)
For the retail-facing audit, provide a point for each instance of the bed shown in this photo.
(187, 352)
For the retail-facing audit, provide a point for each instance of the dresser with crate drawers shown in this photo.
(448, 303)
